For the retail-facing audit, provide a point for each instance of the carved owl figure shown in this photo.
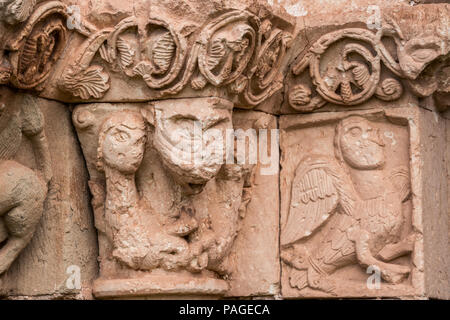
(355, 203)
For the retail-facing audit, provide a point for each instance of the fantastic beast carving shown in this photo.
(22, 190)
(151, 172)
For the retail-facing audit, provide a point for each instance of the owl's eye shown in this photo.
(355, 131)
(422, 54)
(121, 136)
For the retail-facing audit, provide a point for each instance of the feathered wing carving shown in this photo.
(400, 178)
(320, 185)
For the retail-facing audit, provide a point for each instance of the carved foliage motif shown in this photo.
(34, 50)
(355, 76)
(165, 224)
(237, 50)
(231, 50)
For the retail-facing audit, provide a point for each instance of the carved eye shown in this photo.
(422, 54)
(355, 131)
(121, 136)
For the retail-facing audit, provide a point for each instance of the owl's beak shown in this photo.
(375, 137)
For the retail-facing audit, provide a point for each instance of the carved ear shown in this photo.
(83, 119)
(149, 114)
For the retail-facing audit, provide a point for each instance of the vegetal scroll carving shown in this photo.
(22, 190)
(355, 74)
(35, 48)
(16, 11)
(164, 225)
(167, 59)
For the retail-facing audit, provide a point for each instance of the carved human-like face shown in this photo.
(191, 138)
(124, 143)
(361, 144)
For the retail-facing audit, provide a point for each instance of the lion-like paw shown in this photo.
(395, 274)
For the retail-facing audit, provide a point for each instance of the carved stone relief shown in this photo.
(348, 204)
(32, 48)
(236, 52)
(16, 11)
(349, 66)
(161, 214)
(160, 97)
(23, 190)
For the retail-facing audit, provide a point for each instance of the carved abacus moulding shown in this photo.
(241, 53)
(345, 67)
(236, 50)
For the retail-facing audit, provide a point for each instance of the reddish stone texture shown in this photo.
(162, 119)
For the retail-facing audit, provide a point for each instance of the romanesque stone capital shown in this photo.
(224, 148)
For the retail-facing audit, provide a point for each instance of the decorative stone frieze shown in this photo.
(276, 149)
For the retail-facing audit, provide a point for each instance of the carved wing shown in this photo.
(400, 178)
(319, 186)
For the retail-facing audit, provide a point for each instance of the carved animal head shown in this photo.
(191, 139)
(359, 144)
(121, 142)
(419, 52)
